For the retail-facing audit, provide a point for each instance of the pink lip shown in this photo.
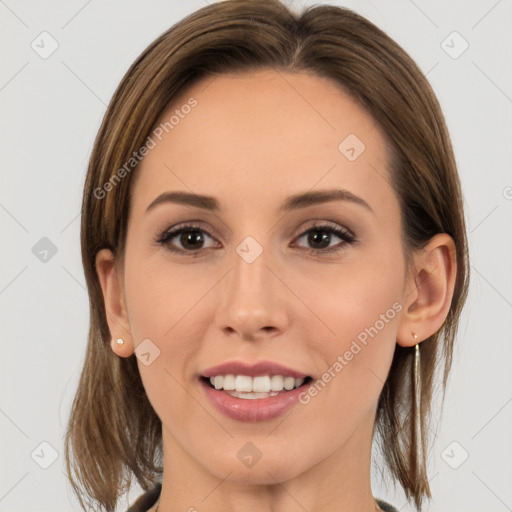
(260, 409)
(252, 370)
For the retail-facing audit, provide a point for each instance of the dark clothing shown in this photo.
(145, 501)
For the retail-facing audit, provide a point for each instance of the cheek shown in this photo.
(350, 298)
(163, 307)
(354, 330)
(160, 296)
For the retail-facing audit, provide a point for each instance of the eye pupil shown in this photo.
(191, 236)
(324, 238)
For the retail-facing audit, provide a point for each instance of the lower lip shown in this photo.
(252, 410)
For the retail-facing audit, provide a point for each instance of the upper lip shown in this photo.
(253, 369)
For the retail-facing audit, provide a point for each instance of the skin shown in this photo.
(252, 140)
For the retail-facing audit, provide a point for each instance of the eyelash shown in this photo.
(349, 239)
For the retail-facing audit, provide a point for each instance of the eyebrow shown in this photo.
(292, 203)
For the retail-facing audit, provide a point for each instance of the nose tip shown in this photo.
(249, 303)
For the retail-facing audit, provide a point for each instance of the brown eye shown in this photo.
(319, 238)
(190, 237)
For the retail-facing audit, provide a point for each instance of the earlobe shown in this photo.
(113, 297)
(430, 289)
(120, 347)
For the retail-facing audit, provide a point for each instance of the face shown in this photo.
(316, 287)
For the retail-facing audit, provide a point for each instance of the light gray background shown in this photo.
(51, 110)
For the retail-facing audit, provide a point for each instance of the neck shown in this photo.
(343, 478)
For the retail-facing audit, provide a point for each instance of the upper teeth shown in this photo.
(260, 384)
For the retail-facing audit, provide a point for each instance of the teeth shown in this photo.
(251, 396)
(242, 383)
(261, 384)
(289, 382)
(228, 382)
(276, 382)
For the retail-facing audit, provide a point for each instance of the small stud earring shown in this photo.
(414, 335)
(120, 341)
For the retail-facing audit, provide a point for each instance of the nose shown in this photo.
(252, 300)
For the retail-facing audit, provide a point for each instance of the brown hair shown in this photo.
(113, 432)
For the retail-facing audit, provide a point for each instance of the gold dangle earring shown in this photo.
(417, 410)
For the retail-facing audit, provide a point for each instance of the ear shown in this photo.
(429, 290)
(110, 277)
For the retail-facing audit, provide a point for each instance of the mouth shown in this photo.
(253, 399)
(253, 391)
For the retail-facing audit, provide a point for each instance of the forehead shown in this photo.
(264, 133)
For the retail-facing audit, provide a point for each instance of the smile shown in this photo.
(269, 397)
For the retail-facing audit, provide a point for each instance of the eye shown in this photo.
(191, 238)
(320, 237)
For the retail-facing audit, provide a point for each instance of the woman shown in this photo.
(274, 243)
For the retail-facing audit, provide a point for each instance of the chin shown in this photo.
(248, 464)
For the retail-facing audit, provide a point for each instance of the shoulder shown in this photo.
(145, 501)
(386, 507)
